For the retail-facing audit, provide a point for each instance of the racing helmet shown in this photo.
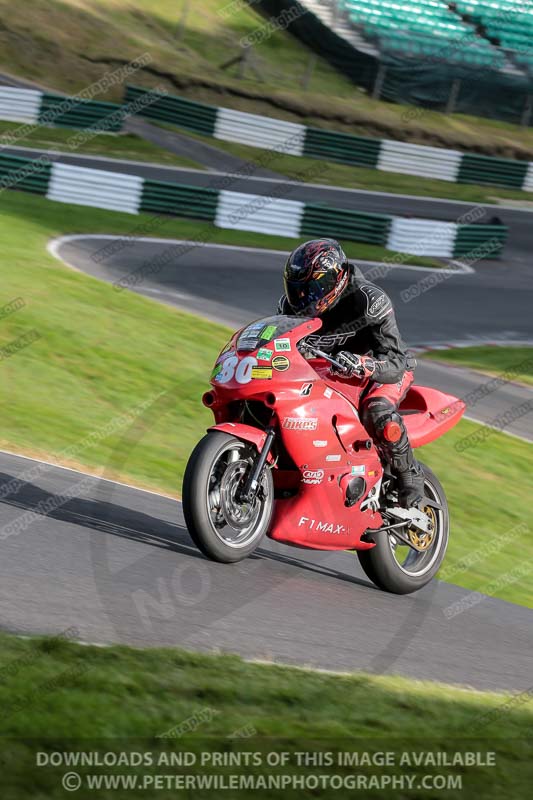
(315, 276)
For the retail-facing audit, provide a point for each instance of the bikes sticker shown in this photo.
(300, 424)
(320, 443)
(281, 363)
(281, 345)
(313, 477)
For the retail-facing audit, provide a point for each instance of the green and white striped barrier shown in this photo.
(361, 151)
(278, 216)
(39, 108)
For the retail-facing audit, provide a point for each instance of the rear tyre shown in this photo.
(221, 526)
(395, 567)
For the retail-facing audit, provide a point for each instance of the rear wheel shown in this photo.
(220, 524)
(394, 566)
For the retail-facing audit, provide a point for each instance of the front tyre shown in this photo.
(395, 567)
(220, 525)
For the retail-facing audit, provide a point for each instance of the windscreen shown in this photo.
(262, 331)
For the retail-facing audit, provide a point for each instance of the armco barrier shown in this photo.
(412, 159)
(422, 237)
(358, 226)
(387, 155)
(485, 241)
(60, 111)
(359, 151)
(94, 187)
(183, 201)
(19, 105)
(248, 212)
(25, 105)
(251, 129)
(496, 171)
(192, 116)
(239, 211)
(28, 174)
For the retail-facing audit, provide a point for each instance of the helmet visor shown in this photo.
(303, 296)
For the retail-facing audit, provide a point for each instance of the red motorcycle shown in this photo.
(288, 457)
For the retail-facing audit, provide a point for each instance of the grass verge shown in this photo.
(59, 696)
(511, 363)
(70, 44)
(101, 353)
(122, 145)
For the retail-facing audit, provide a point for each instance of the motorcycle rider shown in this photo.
(359, 330)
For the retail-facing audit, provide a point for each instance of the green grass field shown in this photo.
(123, 145)
(71, 43)
(511, 363)
(59, 696)
(101, 353)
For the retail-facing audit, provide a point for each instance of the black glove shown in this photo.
(352, 364)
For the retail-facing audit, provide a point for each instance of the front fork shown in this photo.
(253, 481)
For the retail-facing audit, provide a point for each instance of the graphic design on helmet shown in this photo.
(315, 276)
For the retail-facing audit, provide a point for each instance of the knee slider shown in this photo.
(378, 412)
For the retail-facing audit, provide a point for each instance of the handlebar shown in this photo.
(315, 351)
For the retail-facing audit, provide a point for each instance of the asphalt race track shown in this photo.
(118, 564)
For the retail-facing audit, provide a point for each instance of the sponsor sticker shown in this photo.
(313, 476)
(333, 458)
(305, 391)
(359, 470)
(264, 354)
(216, 370)
(268, 332)
(328, 392)
(300, 423)
(281, 345)
(320, 443)
(281, 363)
(226, 354)
(261, 373)
(319, 525)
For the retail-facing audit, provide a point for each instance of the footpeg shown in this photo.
(414, 516)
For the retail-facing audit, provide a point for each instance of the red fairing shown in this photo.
(321, 447)
(436, 413)
(244, 432)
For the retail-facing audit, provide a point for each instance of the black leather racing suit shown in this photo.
(363, 322)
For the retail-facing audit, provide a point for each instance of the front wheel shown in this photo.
(396, 567)
(221, 526)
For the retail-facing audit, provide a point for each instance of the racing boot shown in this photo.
(404, 466)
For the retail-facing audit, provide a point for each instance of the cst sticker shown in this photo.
(264, 354)
(261, 373)
(328, 393)
(333, 458)
(281, 363)
(359, 470)
(313, 477)
(320, 443)
(306, 389)
(282, 345)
